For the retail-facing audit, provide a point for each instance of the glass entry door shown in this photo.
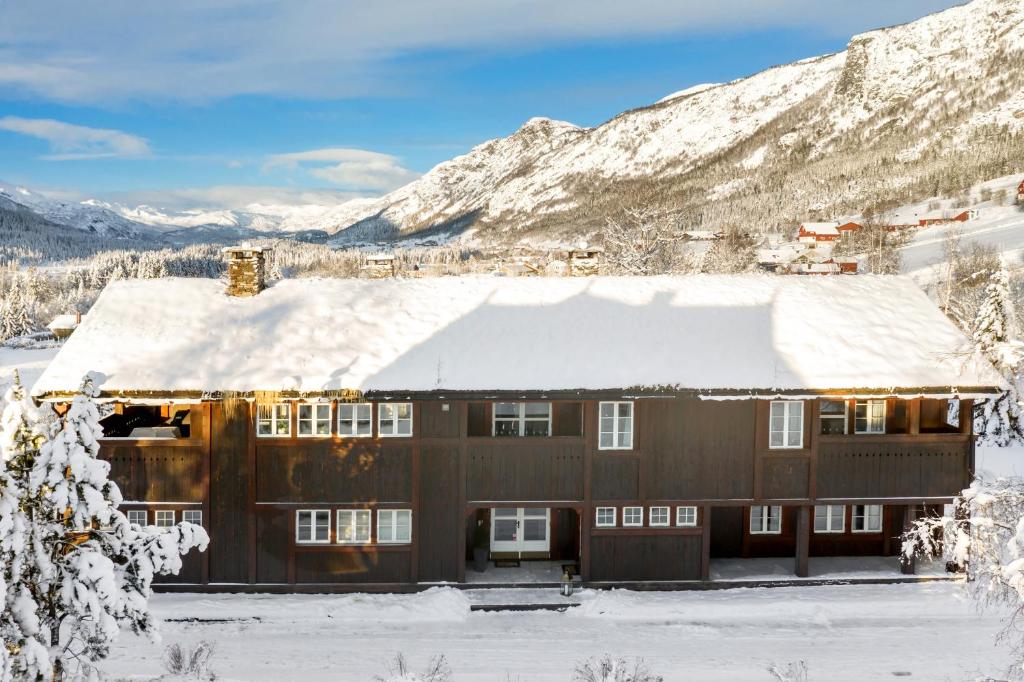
(522, 529)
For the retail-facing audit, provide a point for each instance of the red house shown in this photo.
(818, 232)
(961, 217)
(1020, 190)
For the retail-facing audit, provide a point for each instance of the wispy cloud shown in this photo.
(237, 197)
(68, 141)
(352, 169)
(210, 49)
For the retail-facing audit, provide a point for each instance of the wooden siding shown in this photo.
(323, 470)
(879, 467)
(521, 469)
(369, 565)
(166, 473)
(230, 515)
(645, 556)
(440, 520)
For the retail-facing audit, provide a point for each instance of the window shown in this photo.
(394, 525)
(394, 419)
(765, 520)
(867, 518)
(632, 516)
(829, 518)
(605, 517)
(274, 420)
(315, 419)
(355, 419)
(164, 518)
(353, 526)
(833, 417)
(659, 516)
(787, 424)
(137, 516)
(522, 419)
(312, 526)
(616, 426)
(686, 516)
(192, 516)
(869, 416)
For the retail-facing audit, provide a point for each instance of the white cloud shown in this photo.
(68, 141)
(236, 197)
(354, 169)
(208, 49)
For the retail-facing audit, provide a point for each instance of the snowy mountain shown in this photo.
(91, 216)
(903, 112)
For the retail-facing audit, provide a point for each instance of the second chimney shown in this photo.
(247, 269)
(379, 266)
(585, 262)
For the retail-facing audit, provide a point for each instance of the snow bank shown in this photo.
(700, 332)
(992, 462)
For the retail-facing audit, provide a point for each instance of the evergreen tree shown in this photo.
(995, 336)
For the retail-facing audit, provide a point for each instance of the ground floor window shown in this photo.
(192, 516)
(686, 516)
(632, 516)
(659, 516)
(765, 520)
(867, 518)
(312, 526)
(829, 518)
(164, 518)
(353, 526)
(605, 517)
(138, 516)
(394, 526)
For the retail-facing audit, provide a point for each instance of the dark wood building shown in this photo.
(332, 477)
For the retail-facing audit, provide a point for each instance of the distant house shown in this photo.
(63, 325)
(849, 228)
(811, 233)
(1020, 192)
(961, 217)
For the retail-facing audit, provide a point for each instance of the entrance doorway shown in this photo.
(521, 531)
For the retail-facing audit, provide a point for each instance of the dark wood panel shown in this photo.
(727, 531)
(615, 477)
(274, 531)
(439, 517)
(567, 419)
(479, 415)
(873, 469)
(645, 557)
(191, 570)
(229, 523)
(785, 478)
(697, 449)
(533, 469)
(437, 422)
(156, 474)
(328, 471)
(366, 566)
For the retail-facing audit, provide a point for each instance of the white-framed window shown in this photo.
(273, 420)
(314, 420)
(192, 516)
(312, 526)
(355, 420)
(866, 518)
(616, 432)
(353, 526)
(833, 417)
(394, 526)
(632, 516)
(869, 416)
(765, 520)
(605, 517)
(660, 516)
(521, 419)
(786, 429)
(829, 518)
(164, 518)
(138, 516)
(686, 516)
(394, 419)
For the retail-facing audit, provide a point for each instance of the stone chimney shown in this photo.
(585, 261)
(247, 269)
(379, 266)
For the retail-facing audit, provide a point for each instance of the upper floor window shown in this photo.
(522, 419)
(274, 420)
(833, 417)
(867, 518)
(829, 518)
(314, 419)
(765, 520)
(313, 526)
(616, 426)
(394, 525)
(605, 517)
(394, 419)
(355, 419)
(353, 526)
(869, 416)
(787, 424)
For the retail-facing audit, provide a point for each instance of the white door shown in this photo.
(520, 529)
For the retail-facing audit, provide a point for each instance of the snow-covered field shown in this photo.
(29, 362)
(855, 633)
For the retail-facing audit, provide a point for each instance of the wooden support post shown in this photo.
(907, 564)
(803, 541)
(460, 545)
(914, 416)
(705, 542)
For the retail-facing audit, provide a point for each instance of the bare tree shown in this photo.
(642, 241)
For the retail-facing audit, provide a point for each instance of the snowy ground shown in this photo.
(30, 363)
(855, 633)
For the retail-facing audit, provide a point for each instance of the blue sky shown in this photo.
(225, 102)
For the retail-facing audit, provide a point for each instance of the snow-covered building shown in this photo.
(62, 326)
(811, 233)
(335, 434)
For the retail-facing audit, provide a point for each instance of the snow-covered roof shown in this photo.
(63, 322)
(709, 333)
(820, 228)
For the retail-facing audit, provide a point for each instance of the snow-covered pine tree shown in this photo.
(995, 335)
(87, 570)
(15, 311)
